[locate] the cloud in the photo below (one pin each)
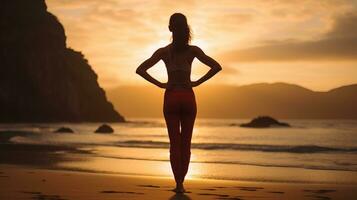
(345, 26)
(117, 35)
(340, 43)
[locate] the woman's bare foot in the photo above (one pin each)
(179, 188)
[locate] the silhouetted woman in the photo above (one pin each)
(179, 99)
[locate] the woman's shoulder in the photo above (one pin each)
(192, 49)
(195, 49)
(167, 47)
(163, 49)
(163, 52)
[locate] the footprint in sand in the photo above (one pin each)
(220, 187)
(48, 197)
(318, 197)
(119, 192)
(29, 192)
(275, 192)
(320, 191)
(40, 196)
(212, 194)
(3, 176)
(250, 189)
(317, 194)
(209, 189)
(149, 186)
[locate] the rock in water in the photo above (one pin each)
(264, 122)
(41, 79)
(105, 128)
(64, 130)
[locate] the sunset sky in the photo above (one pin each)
(306, 42)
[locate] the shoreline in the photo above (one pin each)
(81, 159)
(109, 173)
(21, 182)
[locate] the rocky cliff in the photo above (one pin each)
(41, 79)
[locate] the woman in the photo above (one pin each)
(179, 99)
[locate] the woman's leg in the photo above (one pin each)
(171, 113)
(187, 118)
(173, 127)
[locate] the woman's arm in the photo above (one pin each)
(147, 64)
(215, 67)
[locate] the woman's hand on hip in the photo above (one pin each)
(162, 85)
(195, 83)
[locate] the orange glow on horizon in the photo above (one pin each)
(247, 38)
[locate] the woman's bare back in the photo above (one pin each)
(178, 66)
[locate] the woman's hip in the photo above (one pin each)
(179, 101)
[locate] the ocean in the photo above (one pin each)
(311, 151)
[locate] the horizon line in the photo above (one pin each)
(238, 85)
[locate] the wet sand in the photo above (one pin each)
(20, 182)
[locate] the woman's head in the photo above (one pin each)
(181, 34)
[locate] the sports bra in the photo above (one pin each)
(185, 66)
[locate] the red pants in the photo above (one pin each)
(180, 113)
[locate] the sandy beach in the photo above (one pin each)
(18, 182)
(219, 100)
(37, 163)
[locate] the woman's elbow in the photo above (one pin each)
(139, 71)
(218, 68)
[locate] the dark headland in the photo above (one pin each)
(41, 79)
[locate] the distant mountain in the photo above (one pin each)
(41, 80)
(280, 100)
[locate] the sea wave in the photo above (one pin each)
(240, 147)
(336, 166)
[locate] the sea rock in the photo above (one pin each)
(105, 128)
(64, 130)
(264, 122)
(41, 79)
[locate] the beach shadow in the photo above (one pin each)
(119, 192)
(208, 189)
(216, 195)
(250, 189)
(41, 196)
(318, 197)
(149, 186)
(180, 197)
(275, 192)
(318, 194)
